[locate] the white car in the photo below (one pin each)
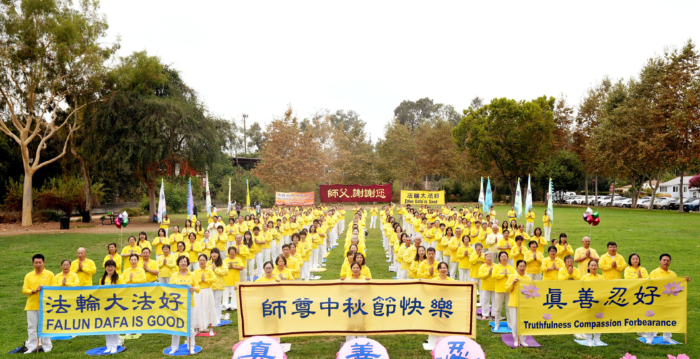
(643, 203)
(604, 201)
(622, 202)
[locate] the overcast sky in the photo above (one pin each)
(256, 57)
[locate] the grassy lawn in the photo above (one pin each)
(647, 233)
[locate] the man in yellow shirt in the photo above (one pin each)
(33, 282)
(612, 263)
(662, 272)
(584, 255)
(530, 219)
(373, 213)
(83, 267)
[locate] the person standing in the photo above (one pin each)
(530, 220)
(111, 277)
(373, 215)
(585, 254)
(663, 272)
(612, 263)
(83, 267)
(511, 288)
(547, 224)
(185, 277)
(166, 265)
(66, 278)
(33, 282)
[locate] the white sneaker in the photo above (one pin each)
(227, 316)
(667, 339)
(650, 340)
(589, 342)
(192, 350)
(173, 350)
(211, 332)
(598, 342)
(522, 343)
(113, 350)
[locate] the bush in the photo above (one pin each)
(67, 194)
(14, 197)
(46, 216)
(10, 217)
(133, 212)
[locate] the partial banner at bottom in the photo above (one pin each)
(603, 306)
(375, 307)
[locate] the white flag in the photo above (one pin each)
(161, 202)
(208, 197)
(528, 197)
(481, 194)
(518, 201)
(229, 198)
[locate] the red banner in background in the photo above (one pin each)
(356, 193)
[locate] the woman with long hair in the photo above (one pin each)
(111, 277)
(216, 264)
(113, 256)
(250, 259)
(159, 242)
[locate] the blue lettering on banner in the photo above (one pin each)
(91, 304)
(554, 298)
(441, 307)
(616, 297)
(59, 304)
(411, 306)
(303, 307)
(353, 308)
(362, 351)
(274, 308)
(585, 298)
(641, 296)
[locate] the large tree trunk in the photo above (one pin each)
(512, 185)
(27, 199)
(88, 185)
(152, 199)
(612, 198)
(596, 189)
(654, 189)
(680, 194)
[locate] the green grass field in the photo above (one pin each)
(644, 232)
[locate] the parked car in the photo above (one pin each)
(604, 201)
(677, 203)
(622, 202)
(643, 203)
(692, 206)
(664, 203)
(574, 200)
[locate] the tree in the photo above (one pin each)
(680, 106)
(255, 136)
(412, 114)
(436, 151)
(590, 112)
(564, 119)
(151, 121)
(51, 52)
(694, 181)
(397, 155)
(564, 168)
(288, 158)
(476, 103)
(508, 137)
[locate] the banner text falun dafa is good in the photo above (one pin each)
(423, 197)
(604, 306)
(375, 307)
(115, 309)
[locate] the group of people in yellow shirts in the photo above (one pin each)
(210, 261)
(450, 244)
(288, 243)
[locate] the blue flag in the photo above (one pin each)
(518, 201)
(488, 201)
(190, 200)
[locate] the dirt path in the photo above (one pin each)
(136, 224)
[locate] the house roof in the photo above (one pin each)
(677, 181)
